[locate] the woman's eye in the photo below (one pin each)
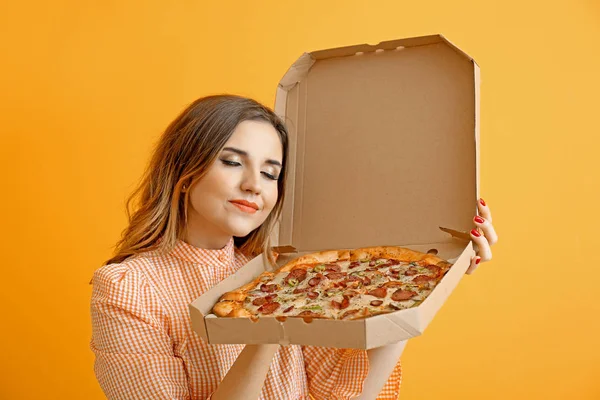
(270, 176)
(231, 163)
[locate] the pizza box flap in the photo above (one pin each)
(383, 144)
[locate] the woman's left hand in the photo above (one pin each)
(484, 237)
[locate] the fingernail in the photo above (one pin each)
(478, 219)
(482, 202)
(475, 232)
(477, 260)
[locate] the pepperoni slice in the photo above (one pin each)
(379, 292)
(411, 271)
(400, 295)
(332, 268)
(423, 278)
(314, 281)
(434, 269)
(312, 295)
(268, 288)
(352, 278)
(350, 293)
(290, 308)
(259, 301)
(320, 276)
(394, 262)
(348, 313)
(394, 274)
(345, 302)
(301, 290)
(372, 263)
(299, 274)
(309, 313)
(270, 297)
(376, 303)
(353, 264)
(384, 265)
(340, 306)
(366, 280)
(268, 308)
(371, 269)
(336, 275)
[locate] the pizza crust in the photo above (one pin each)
(324, 257)
(398, 253)
(223, 308)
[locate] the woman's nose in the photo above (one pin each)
(251, 182)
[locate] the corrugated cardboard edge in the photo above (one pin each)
(398, 44)
(477, 78)
(294, 74)
(304, 63)
(198, 324)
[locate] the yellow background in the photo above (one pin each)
(87, 88)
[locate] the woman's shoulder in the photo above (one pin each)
(127, 276)
(142, 266)
(139, 263)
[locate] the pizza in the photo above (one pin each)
(338, 284)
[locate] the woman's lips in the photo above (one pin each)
(245, 206)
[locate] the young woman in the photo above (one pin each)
(205, 206)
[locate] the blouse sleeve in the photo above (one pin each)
(340, 374)
(134, 354)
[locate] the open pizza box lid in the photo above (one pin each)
(383, 151)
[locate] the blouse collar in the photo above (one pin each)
(187, 252)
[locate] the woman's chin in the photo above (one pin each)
(239, 231)
(240, 227)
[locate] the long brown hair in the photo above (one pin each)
(157, 209)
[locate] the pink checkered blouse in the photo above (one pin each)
(145, 347)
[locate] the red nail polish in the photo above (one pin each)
(475, 232)
(477, 261)
(478, 219)
(482, 202)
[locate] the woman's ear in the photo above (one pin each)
(185, 187)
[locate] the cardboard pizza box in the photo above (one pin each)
(383, 151)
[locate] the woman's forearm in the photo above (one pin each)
(246, 377)
(382, 361)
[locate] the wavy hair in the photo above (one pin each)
(157, 208)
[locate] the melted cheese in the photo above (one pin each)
(323, 303)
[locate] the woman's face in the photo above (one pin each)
(239, 189)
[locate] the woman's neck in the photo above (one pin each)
(208, 242)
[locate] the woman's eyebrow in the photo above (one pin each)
(245, 153)
(273, 162)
